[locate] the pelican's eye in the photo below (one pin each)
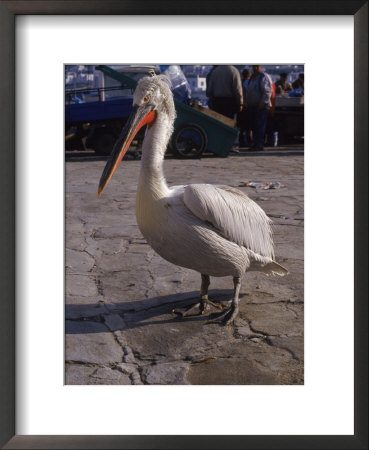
(147, 98)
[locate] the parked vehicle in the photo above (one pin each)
(94, 116)
(100, 114)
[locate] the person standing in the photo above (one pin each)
(258, 100)
(243, 121)
(246, 75)
(299, 82)
(207, 85)
(282, 85)
(225, 90)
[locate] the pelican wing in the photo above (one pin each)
(233, 214)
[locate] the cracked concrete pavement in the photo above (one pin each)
(120, 328)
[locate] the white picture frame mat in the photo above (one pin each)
(324, 405)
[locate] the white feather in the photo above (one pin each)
(233, 214)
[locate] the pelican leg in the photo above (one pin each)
(205, 302)
(203, 306)
(231, 313)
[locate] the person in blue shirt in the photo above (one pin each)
(258, 101)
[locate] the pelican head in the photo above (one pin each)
(152, 100)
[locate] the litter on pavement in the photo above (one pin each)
(255, 185)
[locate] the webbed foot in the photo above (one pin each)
(226, 317)
(198, 309)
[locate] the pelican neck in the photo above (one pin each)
(153, 149)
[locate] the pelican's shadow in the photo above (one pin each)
(92, 317)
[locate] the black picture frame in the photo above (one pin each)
(8, 12)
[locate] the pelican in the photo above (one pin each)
(215, 230)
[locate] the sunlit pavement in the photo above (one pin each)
(120, 328)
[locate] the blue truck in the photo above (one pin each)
(95, 115)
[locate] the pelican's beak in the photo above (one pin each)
(140, 116)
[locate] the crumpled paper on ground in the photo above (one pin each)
(268, 185)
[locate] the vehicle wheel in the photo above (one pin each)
(188, 141)
(103, 143)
